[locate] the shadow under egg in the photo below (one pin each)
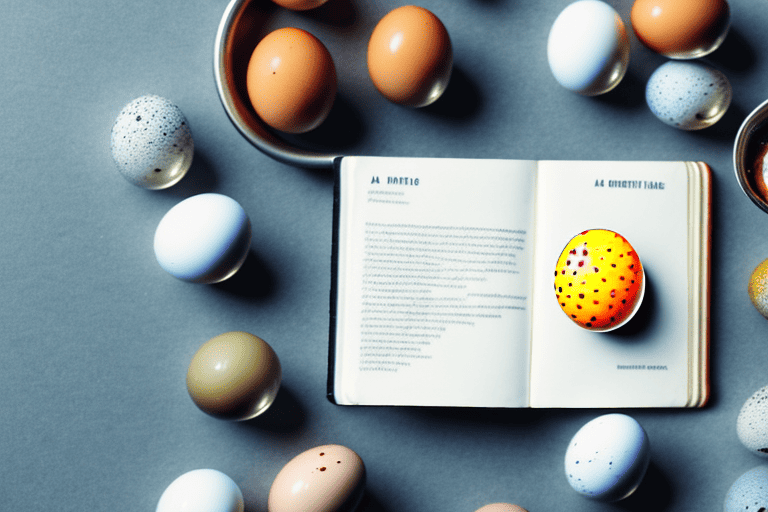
(642, 319)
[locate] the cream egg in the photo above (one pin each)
(328, 478)
(151, 143)
(203, 239)
(749, 492)
(410, 57)
(757, 288)
(202, 490)
(588, 48)
(681, 29)
(688, 95)
(234, 376)
(752, 423)
(607, 458)
(291, 80)
(501, 507)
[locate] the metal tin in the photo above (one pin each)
(756, 121)
(235, 41)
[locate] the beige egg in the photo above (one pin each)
(501, 507)
(328, 478)
(234, 376)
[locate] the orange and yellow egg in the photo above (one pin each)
(599, 279)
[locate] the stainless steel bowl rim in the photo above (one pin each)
(263, 138)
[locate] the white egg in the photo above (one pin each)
(202, 490)
(752, 423)
(688, 95)
(607, 458)
(588, 48)
(151, 143)
(204, 239)
(749, 492)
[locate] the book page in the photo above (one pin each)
(434, 282)
(646, 362)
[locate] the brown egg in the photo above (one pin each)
(291, 80)
(234, 376)
(410, 56)
(329, 478)
(299, 5)
(681, 29)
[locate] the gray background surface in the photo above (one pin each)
(95, 338)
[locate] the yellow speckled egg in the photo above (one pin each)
(599, 280)
(758, 288)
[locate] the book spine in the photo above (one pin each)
(330, 391)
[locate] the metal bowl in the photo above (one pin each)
(752, 133)
(239, 32)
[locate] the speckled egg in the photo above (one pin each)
(328, 478)
(752, 423)
(749, 493)
(151, 143)
(758, 288)
(599, 280)
(607, 458)
(688, 95)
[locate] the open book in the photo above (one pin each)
(443, 295)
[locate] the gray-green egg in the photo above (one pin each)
(151, 143)
(752, 423)
(688, 95)
(749, 493)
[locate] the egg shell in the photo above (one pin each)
(599, 280)
(607, 458)
(752, 423)
(202, 490)
(588, 48)
(681, 29)
(501, 507)
(291, 80)
(328, 478)
(151, 143)
(410, 56)
(234, 376)
(758, 288)
(299, 5)
(688, 95)
(749, 493)
(203, 239)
